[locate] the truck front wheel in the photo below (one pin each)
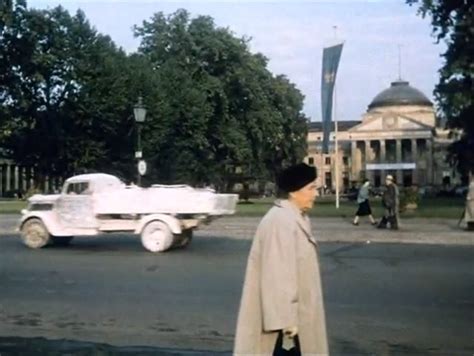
(157, 236)
(34, 234)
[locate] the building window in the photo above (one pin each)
(328, 160)
(311, 161)
(345, 160)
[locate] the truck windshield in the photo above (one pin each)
(78, 188)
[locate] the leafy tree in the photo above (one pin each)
(453, 23)
(11, 46)
(216, 115)
(41, 85)
(289, 141)
(219, 112)
(67, 103)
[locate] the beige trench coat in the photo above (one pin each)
(282, 286)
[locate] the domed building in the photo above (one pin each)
(397, 135)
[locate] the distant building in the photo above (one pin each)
(15, 180)
(398, 135)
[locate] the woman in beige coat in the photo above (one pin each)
(282, 296)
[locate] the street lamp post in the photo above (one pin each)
(139, 112)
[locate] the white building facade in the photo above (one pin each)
(398, 135)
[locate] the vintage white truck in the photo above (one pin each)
(90, 204)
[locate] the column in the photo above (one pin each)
(16, 178)
(414, 158)
(23, 179)
(353, 160)
(368, 174)
(399, 160)
(321, 172)
(31, 179)
(8, 178)
(46, 184)
(429, 161)
(383, 159)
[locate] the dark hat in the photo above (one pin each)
(296, 177)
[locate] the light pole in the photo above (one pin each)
(139, 112)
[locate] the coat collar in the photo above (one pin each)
(301, 218)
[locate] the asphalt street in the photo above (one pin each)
(108, 294)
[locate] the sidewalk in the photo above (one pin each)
(413, 230)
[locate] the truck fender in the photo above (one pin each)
(49, 221)
(169, 220)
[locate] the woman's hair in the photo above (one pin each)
(365, 180)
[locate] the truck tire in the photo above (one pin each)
(61, 240)
(34, 234)
(157, 236)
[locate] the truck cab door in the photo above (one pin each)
(75, 206)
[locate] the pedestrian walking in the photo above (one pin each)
(391, 204)
(364, 205)
(281, 309)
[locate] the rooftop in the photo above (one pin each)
(317, 126)
(400, 93)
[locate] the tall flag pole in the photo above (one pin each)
(336, 148)
(331, 57)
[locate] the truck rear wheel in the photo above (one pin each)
(157, 236)
(34, 234)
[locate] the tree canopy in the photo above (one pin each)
(65, 93)
(221, 108)
(216, 114)
(453, 23)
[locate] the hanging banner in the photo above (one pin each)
(331, 57)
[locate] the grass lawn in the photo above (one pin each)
(12, 206)
(447, 208)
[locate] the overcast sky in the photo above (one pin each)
(292, 34)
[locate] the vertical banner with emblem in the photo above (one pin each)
(331, 57)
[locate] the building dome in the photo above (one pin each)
(400, 93)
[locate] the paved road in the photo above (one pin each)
(340, 229)
(384, 299)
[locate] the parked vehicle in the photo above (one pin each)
(91, 204)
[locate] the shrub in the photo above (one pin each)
(409, 197)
